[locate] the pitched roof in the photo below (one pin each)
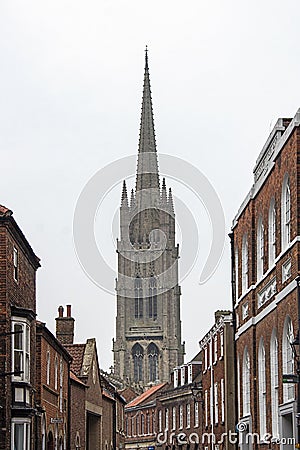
(138, 400)
(128, 393)
(77, 353)
(7, 215)
(5, 211)
(75, 378)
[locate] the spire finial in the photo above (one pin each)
(170, 201)
(146, 57)
(164, 192)
(124, 199)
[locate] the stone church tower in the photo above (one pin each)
(148, 327)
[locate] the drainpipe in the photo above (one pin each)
(298, 367)
(69, 407)
(233, 297)
(115, 423)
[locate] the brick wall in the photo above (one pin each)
(267, 302)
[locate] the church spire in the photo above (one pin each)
(147, 168)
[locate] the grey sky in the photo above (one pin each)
(71, 76)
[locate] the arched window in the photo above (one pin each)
(274, 383)
(245, 263)
(260, 248)
(138, 355)
(77, 441)
(272, 233)
(44, 433)
(287, 359)
(138, 293)
(50, 441)
(238, 387)
(56, 372)
(246, 383)
(48, 367)
(166, 419)
(153, 362)
(262, 387)
(285, 213)
(152, 299)
(236, 262)
(142, 424)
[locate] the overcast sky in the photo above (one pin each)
(71, 76)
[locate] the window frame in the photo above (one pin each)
(25, 360)
(27, 432)
(272, 233)
(16, 264)
(245, 263)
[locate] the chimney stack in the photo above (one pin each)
(65, 326)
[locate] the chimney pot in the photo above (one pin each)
(61, 311)
(69, 307)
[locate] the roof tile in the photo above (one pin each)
(138, 400)
(77, 353)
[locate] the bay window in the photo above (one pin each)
(21, 350)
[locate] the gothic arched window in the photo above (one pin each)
(152, 300)
(288, 359)
(245, 263)
(274, 383)
(262, 387)
(138, 355)
(260, 248)
(272, 232)
(285, 213)
(153, 362)
(246, 383)
(138, 294)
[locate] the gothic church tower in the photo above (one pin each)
(148, 327)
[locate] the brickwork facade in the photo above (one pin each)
(179, 410)
(52, 396)
(18, 265)
(265, 249)
(218, 383)
(140, 419)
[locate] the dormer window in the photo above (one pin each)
(175, 378)
(183, 376)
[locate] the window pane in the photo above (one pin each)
(18, 336)
(18, 362)
(19, 436)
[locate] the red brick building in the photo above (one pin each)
(18, 265)
(265, 253)
(113, 423)
(179, 410)
(140, 419)
(218, 383)
(86, 423)
(52, 391)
